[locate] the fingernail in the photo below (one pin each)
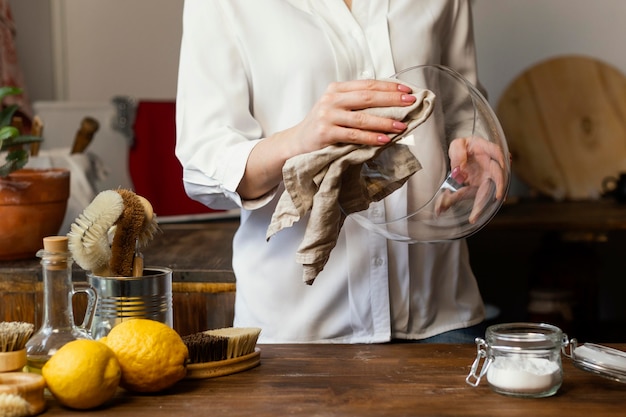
(458, 176)
(407, 98)
(399, 125)
(404, 88)
(383, 139)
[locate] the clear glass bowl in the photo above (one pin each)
(440, 201)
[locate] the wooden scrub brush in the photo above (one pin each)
(89, 236)
(106, 237)
(221, 352)
(13, 338)
(129, 228)
(21, 394)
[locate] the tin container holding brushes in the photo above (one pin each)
(124, 298)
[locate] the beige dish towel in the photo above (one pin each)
(325, 181)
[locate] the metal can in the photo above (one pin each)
(126, 298)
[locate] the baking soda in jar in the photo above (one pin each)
(524, 376)
(520, 359)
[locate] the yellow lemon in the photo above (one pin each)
(152, 355)
(82, 374)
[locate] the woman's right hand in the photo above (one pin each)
(332, 120)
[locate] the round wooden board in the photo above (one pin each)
(565, 123)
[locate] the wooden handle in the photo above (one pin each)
(138, 265)
(88, 127)
(36, 130)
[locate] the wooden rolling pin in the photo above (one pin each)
(88, 127)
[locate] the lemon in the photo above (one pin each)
(82, 374)
(152, 355)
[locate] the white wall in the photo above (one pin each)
(108, 47)
(92, 50)
(119, 47)
(512, 35)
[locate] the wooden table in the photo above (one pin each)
(402, 379)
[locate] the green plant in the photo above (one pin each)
(12, 141)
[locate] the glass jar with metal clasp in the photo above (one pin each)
(520, 359)
(524, 359)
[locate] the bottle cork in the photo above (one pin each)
(55, 244)
(56, 251)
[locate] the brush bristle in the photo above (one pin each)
(89, 234)
(150, 225)
(14, 335)
(241, 340)
(206, 348)
(222, 344)
(129, 227)
(12, 405)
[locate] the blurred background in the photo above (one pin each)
(81, 57)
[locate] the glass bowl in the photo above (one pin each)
(445, 199)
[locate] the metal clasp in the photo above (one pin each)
(474, 376)
(572, 345)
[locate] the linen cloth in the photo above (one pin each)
(328, 183)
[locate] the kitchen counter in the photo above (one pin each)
(403, 379)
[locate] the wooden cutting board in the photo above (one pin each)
(565, 123)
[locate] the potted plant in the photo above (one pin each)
(32, 201)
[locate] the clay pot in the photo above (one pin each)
(32, 206)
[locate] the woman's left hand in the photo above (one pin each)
(479, 166)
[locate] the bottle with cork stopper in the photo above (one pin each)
(58, 325)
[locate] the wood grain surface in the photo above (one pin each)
(363, 380)
(565, 123)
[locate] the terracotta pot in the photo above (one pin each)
(32, 206)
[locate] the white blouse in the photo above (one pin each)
(251, 68)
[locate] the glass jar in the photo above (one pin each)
(520, 359)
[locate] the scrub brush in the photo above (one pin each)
(89, 235)
(21, 394)
(222, 351)
(13, 338)
(128, 229)
(106, 236)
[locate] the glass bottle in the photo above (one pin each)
(58, 326)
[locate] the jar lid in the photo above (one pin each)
(601, 360)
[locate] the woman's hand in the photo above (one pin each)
(478, 166)
(332, 120)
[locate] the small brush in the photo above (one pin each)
(13, 338)
(222, 351)
(89, 236)
(21, 394)
(241, 340)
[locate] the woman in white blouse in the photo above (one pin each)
(262, 81)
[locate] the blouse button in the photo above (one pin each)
(367, 75)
